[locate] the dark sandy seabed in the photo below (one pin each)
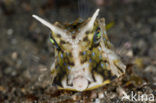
(26, 53)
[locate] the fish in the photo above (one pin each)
(85, 58)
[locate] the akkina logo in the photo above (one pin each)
(138, 97)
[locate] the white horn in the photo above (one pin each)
(88, 26)
(54, 28)
(91, 22)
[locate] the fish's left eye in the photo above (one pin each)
(97, 35)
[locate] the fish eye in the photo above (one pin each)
(53, 41)
(97, 35)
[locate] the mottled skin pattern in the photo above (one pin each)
(85, 63)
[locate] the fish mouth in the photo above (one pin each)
(80, 83)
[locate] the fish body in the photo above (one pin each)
(84, 57)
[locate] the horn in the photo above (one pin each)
(92, 20)
(88, 26)
(52, 27)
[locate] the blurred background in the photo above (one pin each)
(26, 52)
